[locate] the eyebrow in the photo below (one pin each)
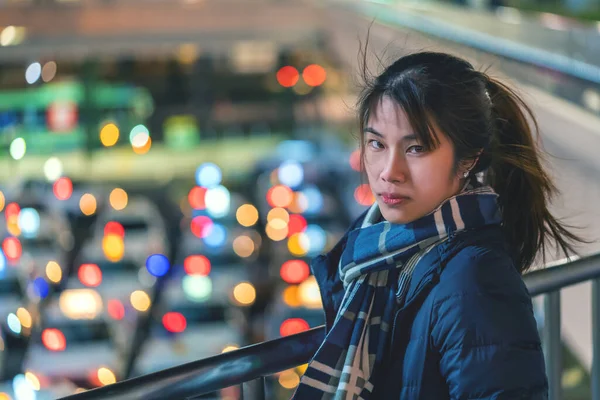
(406, 138)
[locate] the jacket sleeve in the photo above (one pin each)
(484, 330)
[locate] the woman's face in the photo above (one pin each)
(407, 181)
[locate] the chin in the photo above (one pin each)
(395, 216)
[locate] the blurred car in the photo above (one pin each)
(74, 340)
(197, 317)
(140, 223)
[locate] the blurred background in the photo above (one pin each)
(168, 168)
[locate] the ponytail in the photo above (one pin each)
(516, 174)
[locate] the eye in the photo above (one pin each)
(415, 149)
(376, 144)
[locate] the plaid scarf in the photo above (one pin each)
(373, 269)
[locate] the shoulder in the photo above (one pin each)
(479, 263)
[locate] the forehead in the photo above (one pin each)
(388, 115)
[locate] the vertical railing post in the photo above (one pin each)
(254, 390)
(596, 339)
(553, 344)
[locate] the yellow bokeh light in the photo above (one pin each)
(299, 203)
(24, 317)
(5, 396)
(227, 349)
(106, 376)
(247, 215)
(12, 225)
(244, 293)
(53, 271)
(278, 213)
(109, 135)
(276, 234)
(33, 380)
(87, 204)
(309, 294)
(291, 296)
(302, 368)
(299, 244)
(118, 199)
(2, 201)
(140, 300)
(113, 247)
(289, 379)
(143, 149)
(243, 246)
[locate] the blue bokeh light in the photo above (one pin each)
(41, 287)
(317, 239)
(13, 323)
(216, 237)
(314, 199)
(157, 264)
(209, 175)
(22, 388)
(291, 174)
(29, 222)
(2, 262)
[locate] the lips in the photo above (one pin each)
(392, 198)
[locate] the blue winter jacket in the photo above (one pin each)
(466, 330)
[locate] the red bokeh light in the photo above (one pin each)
(174, 322)
(294, 271)
(196, 197)
(12, 209)
(11, 246)
(288, 76)
(196, 265)
(297, 224)
(54, 339)
(280, 196)
(314, 75)
(63, 188)
(114, 228)
(90, 275)
(201, 226)
(292, 326)
(116, 309)
(355, 160)
(363, 195)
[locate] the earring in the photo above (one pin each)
(466, 174)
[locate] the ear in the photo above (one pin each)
(465, 167)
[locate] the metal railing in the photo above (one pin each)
(250, 365)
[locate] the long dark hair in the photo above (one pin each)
(487, 123)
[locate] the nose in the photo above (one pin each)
(395, 169)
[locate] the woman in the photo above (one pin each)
(423, 296)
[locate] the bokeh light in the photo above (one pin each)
(244, 293)
(289, 379)
(11, 246)
(143, 149)
(2, 262)
(29, 222)
(113, 247)
(280, 196)
(53, 272)
(63, 188)
(13, 323)
(49, 71)
(106, 376)
(218, 201)
(317, 239)
(12, 225)
(276, 234)
(294, 271)
(33, 380)
(24, 317)
(157, 264)
(196, 265)
(109, 134)
(41, 287)
(291, 297)
(140, 300)
(197, 288)
(209, 175)
(88, 204)
(314, 75)
(309, 293)
(139, 136)
(33, 73)
(216, 236)
(296, 224)
(278, 218)
(114, 228)
(90, 275)
(247, 215)
(2, 201)
(287, 76)
(116, 309)
(196, 197)
(291, 326)
(299, 244)
(53, 169)
(201, 226)
(363, 195)
(290, 173)
(314, 200)
(243, 246)
(12, 209)
(22, 388)
(18, 148)
(355, 160)
(118, 199)
(174, 322)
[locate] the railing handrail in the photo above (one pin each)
(262, 359)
